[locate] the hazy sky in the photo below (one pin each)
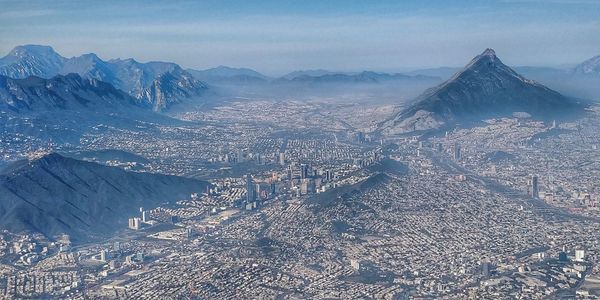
(278, 36)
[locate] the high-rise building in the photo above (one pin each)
(135, 223)
(282, 158)
(355, 264)
(457, 154)
(360, 137)
(174, 219)
(304, 187)
(486, 268)
(257, 190)
(103, 255)
(303, 171)
(250, 192)
(579, 255)
(562, 256)
(145, 216)
(534, 187)
(329, 175)
(312, 187)
(240, 156)
(318, 182)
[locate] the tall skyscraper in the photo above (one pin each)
(250, 192)
(282, 158)
(303, 171)
(304, 186)
(135, 223)
(257, 190)
(329, 175)
(103, 255)
(457, 154)
(535, 190)
(290, 172)
(240, 156)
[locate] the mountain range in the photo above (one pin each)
(323, 77)
(228, 75)
(244, 76)
(55, 195)
(589, 67)
(484, 88)
(63, 92)
(159, 84)
(64, 108)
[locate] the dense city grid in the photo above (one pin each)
(305, 202)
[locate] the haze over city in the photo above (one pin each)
(276, 37)
(300, 149)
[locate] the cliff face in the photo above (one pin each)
(159, 84)
(70, 92)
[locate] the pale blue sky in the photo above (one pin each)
(279, 36)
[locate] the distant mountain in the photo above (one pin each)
(170, 88)
(441, 72)
(589, 67)
(160, 84)
(90, 66)
(55, 195)
(539, 72)
(579, 82)
(362, 77)
(311, 73)
(69, 92)
(224, 74)
(31, 60)
(64, 108)
(484, 88)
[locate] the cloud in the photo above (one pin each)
(33, 13)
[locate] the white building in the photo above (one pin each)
(579, 255)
